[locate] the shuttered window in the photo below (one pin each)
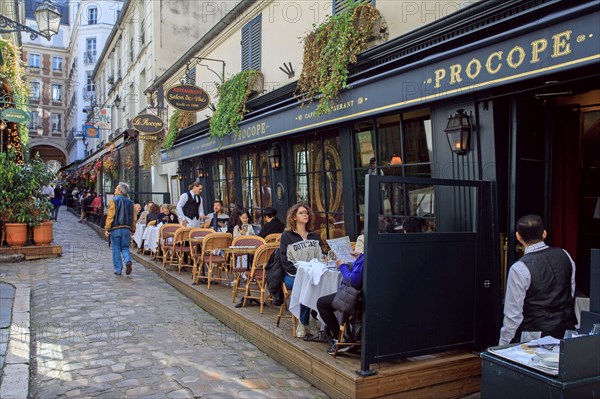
(251, 44)
(340, 5)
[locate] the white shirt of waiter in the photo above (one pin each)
(184, 220)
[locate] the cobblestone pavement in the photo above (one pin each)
(105, 336)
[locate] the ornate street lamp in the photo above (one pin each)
(47, 16)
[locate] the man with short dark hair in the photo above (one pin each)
(120, 223)
(272, 223)
(541, 287)
(217, 220)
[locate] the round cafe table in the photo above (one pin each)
(313, 280)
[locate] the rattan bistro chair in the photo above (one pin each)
(237, 271)
(179, 248)
(287, 294)
(258, 274)
(274, 237)
(196, 248)
(165, 241)
(213, 259)
(342, 341)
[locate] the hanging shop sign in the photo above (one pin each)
(187, 97)
(15, 115)
(90, 131)
(148, 124)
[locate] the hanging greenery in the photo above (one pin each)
(149, 155)
(172, 133)
(15, 88)
(330, 48)
(233, 95)
(179, 120)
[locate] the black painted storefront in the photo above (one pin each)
(508, 74)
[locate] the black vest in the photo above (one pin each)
(548, 306)
(190, 209)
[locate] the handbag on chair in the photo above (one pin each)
(345, 298)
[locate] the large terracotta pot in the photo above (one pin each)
(16, 234)
(43, 234)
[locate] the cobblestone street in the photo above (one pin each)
(95, 334)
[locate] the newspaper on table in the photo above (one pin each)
(341, 248)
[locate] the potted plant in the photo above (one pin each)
(21, 201)
(41, 222)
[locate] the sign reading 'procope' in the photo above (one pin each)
(188, 98)
(147, 123)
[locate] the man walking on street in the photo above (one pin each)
(540, 289)
(120, 223)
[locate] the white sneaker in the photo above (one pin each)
(300, 330)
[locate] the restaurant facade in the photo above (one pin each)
(520, 76)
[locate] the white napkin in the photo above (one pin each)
(515, 353)
(315, 269)
(547, 340)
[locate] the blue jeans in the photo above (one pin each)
(304, 310)
(55, 212)
(120, 239)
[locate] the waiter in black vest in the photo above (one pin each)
(190, 208)
(540, 289)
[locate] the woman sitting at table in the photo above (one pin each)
(350, 273)
(153, 213)
(299, 243)
(243, 226)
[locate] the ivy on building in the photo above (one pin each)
(330, 49)
(233, 95)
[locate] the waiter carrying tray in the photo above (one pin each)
(190, 208)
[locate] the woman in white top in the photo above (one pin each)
(243, 226)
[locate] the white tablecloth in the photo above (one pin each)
(138, 236)
(150, 238)
(313, 280)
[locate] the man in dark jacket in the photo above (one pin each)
(272, 223)
(120, 223)
(540, 288)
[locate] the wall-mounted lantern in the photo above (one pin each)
(275, 157)
(459, 132)
(201, 172)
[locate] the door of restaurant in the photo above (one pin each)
(438, 289)
(555, 169)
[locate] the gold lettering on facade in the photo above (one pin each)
(515, 58)
(521, 57)
(488, 64)
(251, 131)
(469, 71)
(561, 46)
(537, 47)
(336, 107)
(455, 73)
(439, 75)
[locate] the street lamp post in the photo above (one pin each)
(47, 16)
